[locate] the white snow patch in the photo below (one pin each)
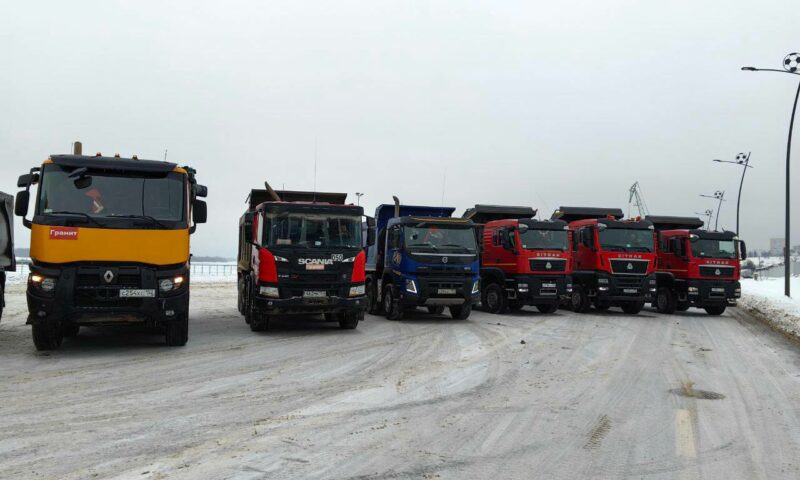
(766, 296)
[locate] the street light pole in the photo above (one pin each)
(358, 197)
(791, 65)
(718, 195)
(744, 160)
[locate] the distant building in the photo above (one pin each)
(776, 247)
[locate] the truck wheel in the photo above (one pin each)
(632, 308)
(391, 305)
(579, 300)
(682, 306)
(70, 330)
(177, 333)
(494, 299)
(715, 310)
(349, 320)
(47, 335)
(373, 299)
(436, 309)
(547, 307)
(460, 312)
(240, 296)
(666, 301)
(2, 300)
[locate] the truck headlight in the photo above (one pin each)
(48, 284)
(169, 284)
(411, 286)
(268, 291)
(41, 282)
(603, 289)
(476, 287)
(652, 281)
(357, 290)
(278, 258)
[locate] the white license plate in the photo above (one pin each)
(630, 290)
(548, 285)
(719, 290)
(314, 266)
(137, 293)
(314, 294)
(447, 291)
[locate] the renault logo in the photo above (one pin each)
(630, 266)
(548, 265)
(444, 259)
(717, 272)
(108, 276)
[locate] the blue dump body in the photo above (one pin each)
(429, 258)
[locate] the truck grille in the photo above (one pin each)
(628, 282)
(629, 267)
(545, 265)
(716, 271)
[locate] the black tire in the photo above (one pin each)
(580, 299)
(715, 310)
(493, 298)
(349, 320)
(547, 307)
(436, 309)
(70, 330)
(240, 295)
(246, 301)
(632, 308)
(665, 301)
(47, 335)
(2, 300)
(682, 306)
(177, 331)
(460, 312)
(374, 306)
(391, 304)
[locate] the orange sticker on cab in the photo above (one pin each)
(63, 233)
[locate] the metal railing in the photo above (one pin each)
(197, 270)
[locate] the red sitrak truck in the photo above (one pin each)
(696, 267)
(613, 260)
(523, 261)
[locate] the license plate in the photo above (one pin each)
(314, 266)
(137, 293)
(314, 294)
(719, 290)
(548, 285)
(630, 290)
(447, 291)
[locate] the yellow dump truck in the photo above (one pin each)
(109, 244)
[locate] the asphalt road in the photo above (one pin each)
(560, 396)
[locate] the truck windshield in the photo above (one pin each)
(436, 238)
(544, 239)
(154, 196)
(312, 230)
(626, 240)
(707, 248)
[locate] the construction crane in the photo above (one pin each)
(636, 198)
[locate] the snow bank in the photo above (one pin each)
(765, 298)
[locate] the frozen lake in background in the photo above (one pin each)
(202, 272)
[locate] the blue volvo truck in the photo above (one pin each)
(421, 257)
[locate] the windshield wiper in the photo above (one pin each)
(640, 249)
(146, 217)
(427, 244)
(614, 248)
(453, 245)
(80, 214)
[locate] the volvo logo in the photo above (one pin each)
(108, 276)
(444, 259)
(630, 266)
(548, 265)
(717, 272)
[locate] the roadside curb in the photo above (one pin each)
(790, 334)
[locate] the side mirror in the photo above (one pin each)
(586, 237)
(370, 236)
(21, 203)
(199, 211)
(24, 180)
(200, 191)
(742, 250)
(247, 225)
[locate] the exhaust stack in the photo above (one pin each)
(271, 192)
(77, 148)
(396, 206)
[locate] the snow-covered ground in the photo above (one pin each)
(766, 298)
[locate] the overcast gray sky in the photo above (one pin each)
(533, 103)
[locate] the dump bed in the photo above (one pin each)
(486, 213)
(385, 212)
(571, 214)
(7, 260)
(664, 222)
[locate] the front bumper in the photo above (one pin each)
(81, 297)
(627, 288)
(707, 293)
(310, 306)
(539, 289)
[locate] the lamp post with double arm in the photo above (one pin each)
(743, 160)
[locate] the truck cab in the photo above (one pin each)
(696, 267)
(109, 245)
(524, 261)
(300, 253)
(7, 258)
(422, 257)
(613, 260)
